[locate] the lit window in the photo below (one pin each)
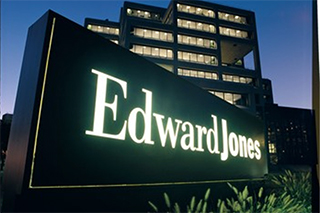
(104, 30)
(142, 14)
(233, 32)
(152, 51)
(236, 79)
(235, 99)
(196, 25)
(167, 67)
(115, 41)
(197, 74)
(197, 58)
(193, 10)
(153, 34)
(272, 148)
(232, 18)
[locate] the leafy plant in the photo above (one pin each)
(291, 193)
(296, 184)
(194, 206)
(250, 204)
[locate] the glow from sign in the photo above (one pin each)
(169, 129)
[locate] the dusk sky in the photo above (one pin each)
(284, 36)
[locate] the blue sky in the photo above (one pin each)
(284, 36)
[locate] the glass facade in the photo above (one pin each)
(233, 32)
(152, 51)
(153, 34)
(195, 10)
(197, 58)
(196, 41)
(197, 74)
(232, 18)
(194, 25)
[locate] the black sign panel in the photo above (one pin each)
(103, 116)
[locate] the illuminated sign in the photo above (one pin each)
(93, 120)
(237, 145)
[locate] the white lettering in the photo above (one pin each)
(100, 105)
(258, 152)
(243, 146)
(189, 137)
(213, 131)
(233, 143)
(132, 120)
(169, 130)
(250, 148)
(201, 129)
(225, 153)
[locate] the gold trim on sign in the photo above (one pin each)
(41, 101)
(143, 184)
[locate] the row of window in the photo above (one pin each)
(211, 28)
(165, 36)
(143, 14)
(167, 53)
(152, 51)
(209, 13)
(196, 25)
(213, 76)
(236, 79)
(195, 10)
(197, 74)
(106, 30)
(232, 18)
(233, 32)
(182, 39)
(197, 58)
(153, 34)
(196, 41)
(232, 98)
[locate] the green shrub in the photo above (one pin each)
(296, 184)
(291, 193)
(194, 206)
(246, 203)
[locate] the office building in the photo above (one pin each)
(210, 45)
(291, 136)
(5, 126)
